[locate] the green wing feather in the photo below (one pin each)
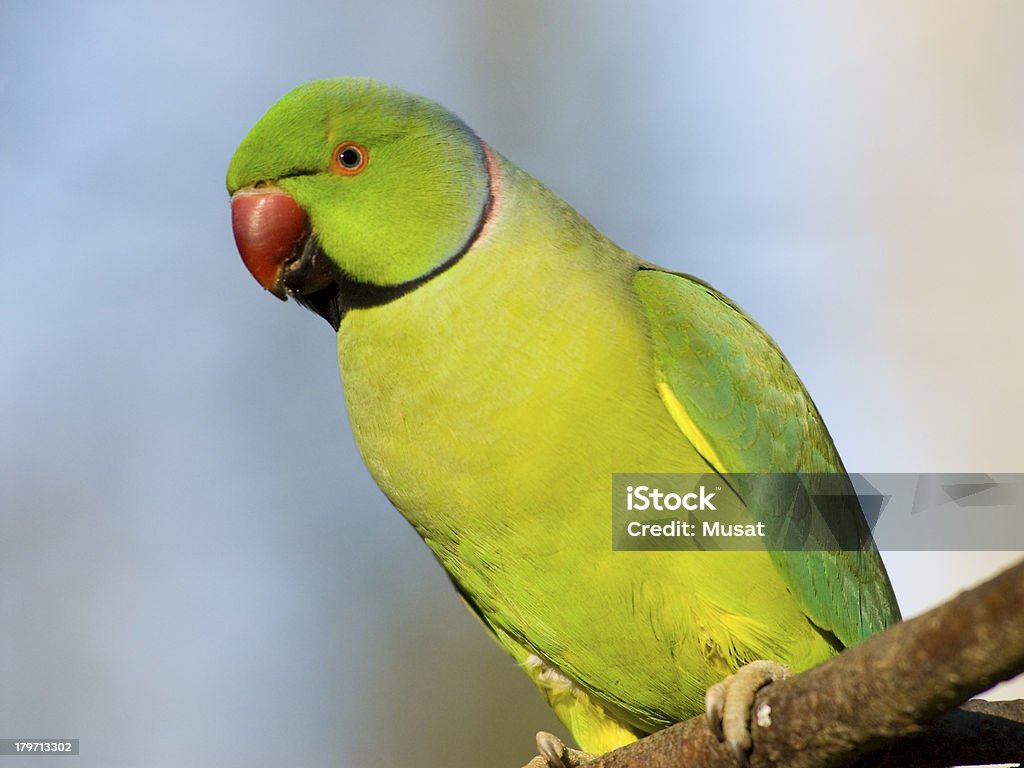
(751, 414)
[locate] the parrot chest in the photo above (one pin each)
(475, 413)
(493, 409)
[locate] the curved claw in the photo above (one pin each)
(728, 704)
(551, 748)
(554, 754)
(714, 703)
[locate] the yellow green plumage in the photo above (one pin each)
(501, 359)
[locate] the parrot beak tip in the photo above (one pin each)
(269, 228)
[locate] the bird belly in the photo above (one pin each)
(495, 429)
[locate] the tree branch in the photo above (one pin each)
(890, 697)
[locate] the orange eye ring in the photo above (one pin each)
(349, 158)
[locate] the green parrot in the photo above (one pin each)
(501, 359)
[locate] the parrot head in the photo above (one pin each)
(350, 192)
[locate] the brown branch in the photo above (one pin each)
(975, 733)
(889, 697)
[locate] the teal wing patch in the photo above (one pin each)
(739, 402)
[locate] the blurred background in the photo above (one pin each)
(195, 567)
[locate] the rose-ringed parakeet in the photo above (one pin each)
(501, 359)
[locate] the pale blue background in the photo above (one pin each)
(195, 568)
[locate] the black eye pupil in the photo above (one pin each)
(350, 157)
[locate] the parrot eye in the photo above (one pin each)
(349, 158)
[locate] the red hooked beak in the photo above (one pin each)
(269, 228)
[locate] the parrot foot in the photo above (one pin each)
(554, 754)
(729, 703)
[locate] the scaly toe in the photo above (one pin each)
(551, 748)
(729, 703)
(714, 704)
(554, 754)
